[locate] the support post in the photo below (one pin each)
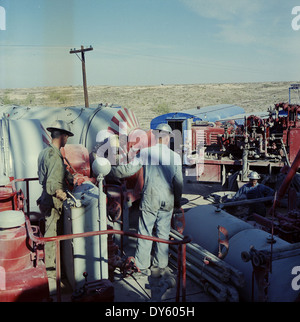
(82, 51)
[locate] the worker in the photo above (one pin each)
(161, 195)
(52, 175)
(254, 190)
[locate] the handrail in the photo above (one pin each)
(181, 256)
(26, 180)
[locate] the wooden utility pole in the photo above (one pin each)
(82, 51)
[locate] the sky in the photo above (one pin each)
(148, 42)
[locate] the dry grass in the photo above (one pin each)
(150, 101)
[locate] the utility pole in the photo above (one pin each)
(82, 51)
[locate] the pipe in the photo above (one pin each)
(57, 239)
(220, 268)
(102, 226)
(199, 262)
(226, 291)
(245, 164)
(286, 182)
(245, 202)
(218, 276)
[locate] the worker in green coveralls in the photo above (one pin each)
(53, 176)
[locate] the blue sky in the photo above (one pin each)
(148, 42)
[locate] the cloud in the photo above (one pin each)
(237, 20)
(245, 22)
(224, 10)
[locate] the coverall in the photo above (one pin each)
(247, 191)
(162, 192)
(52, 175)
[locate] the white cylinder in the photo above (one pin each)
(82, 254)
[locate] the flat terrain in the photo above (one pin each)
(150, 101)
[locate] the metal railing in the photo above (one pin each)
(181, 253)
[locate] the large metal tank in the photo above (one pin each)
(202, 223)
(22, 141)
(85, 122)
(24, 136)
(280, 279)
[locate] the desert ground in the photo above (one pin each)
(150, 101)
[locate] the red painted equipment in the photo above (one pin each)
(22, 270)
(263, 143)
(10, 198)
(286, 226)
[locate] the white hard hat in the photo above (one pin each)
(254, 175)
(60, 125)
(164, 127)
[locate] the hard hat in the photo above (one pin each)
(254, 175)
(164, 127)
(60, 125)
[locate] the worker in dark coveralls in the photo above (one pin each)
(254, 190)
(161, 193)
(52, 175)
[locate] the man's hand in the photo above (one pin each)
(60, 194)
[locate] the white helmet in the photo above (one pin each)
(254, 175)
(164, 127)
(61, 126)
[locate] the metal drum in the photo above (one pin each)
(202, 222)
(85, 122)
(280, 279)
(22, 275)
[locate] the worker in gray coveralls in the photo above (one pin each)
(254, 190)
(161, 193)
(52, 176)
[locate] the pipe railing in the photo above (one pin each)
(181, 255)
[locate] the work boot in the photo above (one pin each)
(142, 273)
(164, 272)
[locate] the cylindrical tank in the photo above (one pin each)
(202, 224)
(85, 122)
(14, 253)
(82, 254)
(21, 279)
(27, 138)
(24, 134)
(280, 279)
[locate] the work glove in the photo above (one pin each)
(60, 194)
